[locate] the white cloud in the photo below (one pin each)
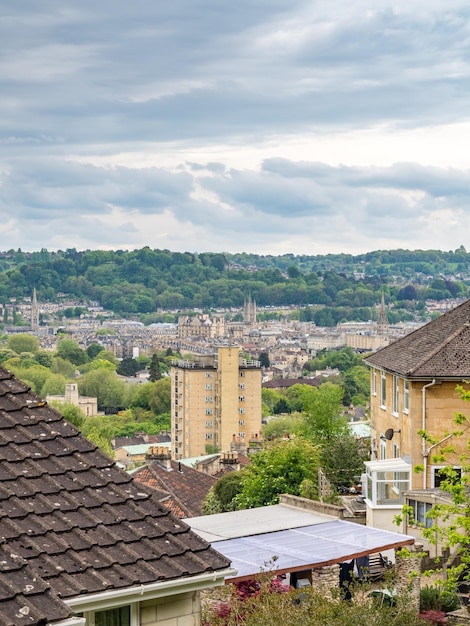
(280, 126)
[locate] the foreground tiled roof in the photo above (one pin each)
(439, 349)
(71, 522)
(185, 487)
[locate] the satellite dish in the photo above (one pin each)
(389, 434)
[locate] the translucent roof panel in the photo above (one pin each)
(306, 547)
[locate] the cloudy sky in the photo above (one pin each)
(267, 126)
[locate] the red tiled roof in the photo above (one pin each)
(439, 349)
(186, 486)
(72, 522)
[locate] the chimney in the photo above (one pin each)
(160, 454)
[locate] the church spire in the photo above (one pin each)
(34, 312)
(382, 321)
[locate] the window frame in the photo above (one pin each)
(374, 382)
(395, 395)
(383, 389)
(406, 396)
(90, 616)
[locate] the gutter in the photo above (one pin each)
(139, 593)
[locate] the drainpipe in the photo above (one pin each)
(425, 451)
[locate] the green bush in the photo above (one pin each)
(433, 598)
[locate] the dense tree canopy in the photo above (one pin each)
(327, 288)
(278, 469)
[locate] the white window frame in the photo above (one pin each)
(209, 423)
(241, 435)
(241, 422)
(208, 386)
(383, 448)
(209, 399)
(209, 436)
(435, 469)
(396, 476)
(395, 395)
(374, 382)
(208, 374)
(134, 614)
(414, 519)
(406, 395)
(242, 386)
(209, 412)
(241, 410)
(241, 398)
(383, 389)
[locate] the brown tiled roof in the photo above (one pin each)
(439, 349)
(185, 487)
(285, 383)
(72, 522)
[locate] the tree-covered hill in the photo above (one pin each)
(142, 281)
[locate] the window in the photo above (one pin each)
(395, 395)
(406, 396)
(208, 398)
(122, 616)
(241, 411)
(419, 513)
(396, 475)
(383, 448)
(241, 398)
(208, 374)
(241, 422)
(241, 435)
(242, 385)
(208, 411)
(209, 424)
(209, 387)
(209, 436)
(242, 373)
(386, 482)
(374, 382)
(451, 474)
(383, 389)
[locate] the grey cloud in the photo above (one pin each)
(44, 188)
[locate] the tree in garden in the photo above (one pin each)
(281, 425)
(44, 357)
(281, 406)
(62, 366)
(105, 385)
(71, 412)
(221, 496)
(342, 460)
(269, 398)
(323, 418)
(128, 367)
(279, 469)
(94, 349)
(54, 385)
(99, 363)
(69, 350)
(264, 359)
(154, 369)
(160, 396)
(356, 385)
(23, 343)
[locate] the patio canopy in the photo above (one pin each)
(254, 541)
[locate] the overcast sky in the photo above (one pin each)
(266, 126)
